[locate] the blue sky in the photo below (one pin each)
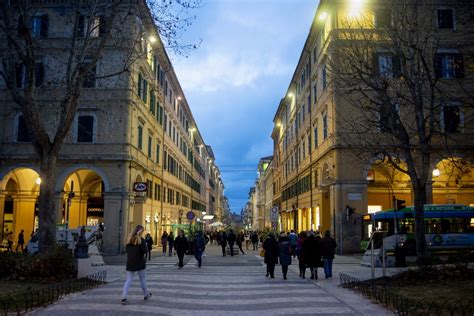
(234, 81)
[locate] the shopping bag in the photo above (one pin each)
(262, 253)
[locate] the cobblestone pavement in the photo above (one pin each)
(222, 286)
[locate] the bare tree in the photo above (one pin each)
(93, 26)
(393, 72)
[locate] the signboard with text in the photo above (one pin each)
(140, 186)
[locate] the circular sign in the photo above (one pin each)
(190, 215)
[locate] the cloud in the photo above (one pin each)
(258, 150)
(224, 70)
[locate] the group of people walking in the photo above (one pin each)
(312, 252)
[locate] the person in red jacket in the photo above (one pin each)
(136, 250)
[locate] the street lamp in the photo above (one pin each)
(156, 228)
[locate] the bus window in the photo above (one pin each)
(434, 226)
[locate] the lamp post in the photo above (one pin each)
(156, 228)
(70, 196)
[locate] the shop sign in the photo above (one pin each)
(140, 186)
(190, 215)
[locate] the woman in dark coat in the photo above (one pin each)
(312, 254)
(170, 243)
(223, 242)
(181, 245)
(149, 244)
(271, 254)
(284, 253)
(136, 250)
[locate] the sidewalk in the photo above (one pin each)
(350, 265)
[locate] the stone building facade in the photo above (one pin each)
(130, 129)
(320, 181)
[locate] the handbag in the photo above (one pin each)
(262, 253)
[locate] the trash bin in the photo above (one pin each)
(400, 257)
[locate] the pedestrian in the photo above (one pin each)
(239, 240)
(312, 254)
(199, 247)
(284, 253)
(223, 241)
(170, 243)
(231, 240)
(328, 249)
(270, 246)
(300, 253)
(136, 250)
(149, 244)
(21, 240)
(254, 239)
(10, 241)
(164, 242)
(293, 239)
(247, 240)
(181, 246)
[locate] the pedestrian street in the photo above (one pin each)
(222, 286)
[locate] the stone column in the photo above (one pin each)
(2, 209)
(114, 238)
(24, 214)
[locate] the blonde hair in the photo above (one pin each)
(135, 237)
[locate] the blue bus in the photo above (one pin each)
(447, 228)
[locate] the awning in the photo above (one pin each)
(216, 224)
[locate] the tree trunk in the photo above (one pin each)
(47, 214)
(421, 246)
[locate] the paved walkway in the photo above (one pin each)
(224, 285)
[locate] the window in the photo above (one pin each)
(309, 102)
(451, 118)
(159, 113)
(445, 19)
(85, 129)
(325, 126)
(150, 148)
(324, 77)
(91, 26)
(315, 93)
(383, 18)
(21, 78)
(22, 132)
(316, 136)
(39, 26)
(152, 102)
(140, 137)
(309, 142)
(157, 192)
(90, 75)
(315, 55)
(142, 87)
(387, 65)
(449, 65)
(157, 152)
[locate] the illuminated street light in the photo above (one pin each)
(38, 181)
(436, 172)
(323, 16)
(152, 39)
(290, 94)
(355, 8)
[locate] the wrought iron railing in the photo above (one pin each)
(21, 303)
(407, 306)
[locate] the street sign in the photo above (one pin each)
(140, 186)
(274, 214)
(190, 215)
